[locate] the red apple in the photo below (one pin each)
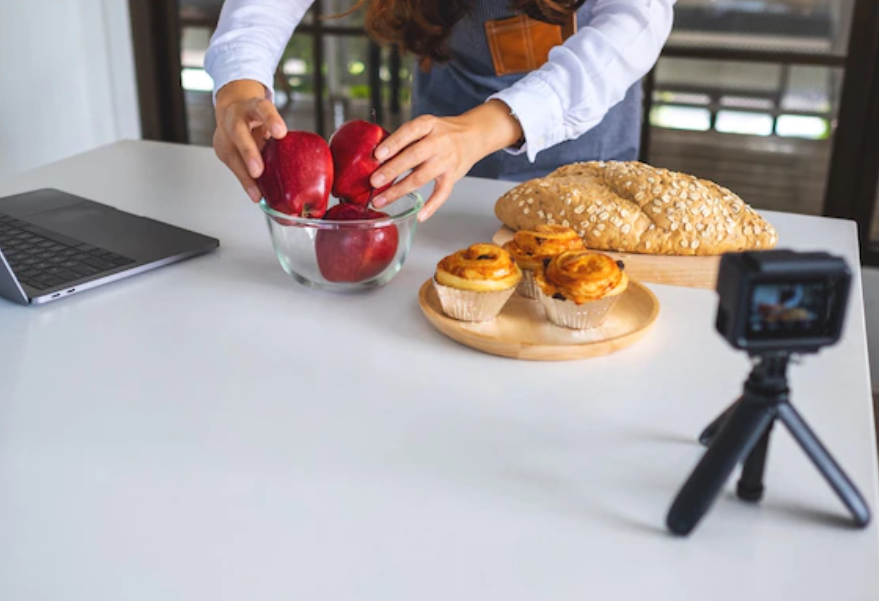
(353, 147)
(355, 254)
(298, 174)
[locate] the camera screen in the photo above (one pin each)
(788, 310)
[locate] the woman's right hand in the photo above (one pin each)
(245, 120)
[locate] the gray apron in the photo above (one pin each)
(469, 78)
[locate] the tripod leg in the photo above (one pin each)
(750, 486)
(838, 480)
(710, 432)
(734, 441)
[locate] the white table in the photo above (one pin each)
(213, 431)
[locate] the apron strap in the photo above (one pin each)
(569, 27)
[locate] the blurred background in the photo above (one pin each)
(776, 99)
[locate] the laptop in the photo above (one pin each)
(54, 244)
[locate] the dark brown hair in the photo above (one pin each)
(423, 27)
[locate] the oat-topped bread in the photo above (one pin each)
(633, 207)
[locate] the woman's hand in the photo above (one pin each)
(443, 149)
(245, 120)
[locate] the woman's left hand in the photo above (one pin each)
(441, 149)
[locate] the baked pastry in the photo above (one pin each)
(474, 284)
(633, 207)
(530, 248)
(579, 288)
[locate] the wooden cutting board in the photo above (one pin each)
(688, 272)
(521, 331)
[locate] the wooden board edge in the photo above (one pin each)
(699, 272)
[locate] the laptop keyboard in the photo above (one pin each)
(42, 262)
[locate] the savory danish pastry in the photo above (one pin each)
(475, 283)
(579, 288)
(530, 248)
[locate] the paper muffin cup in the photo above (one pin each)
(527, 287)
(568, 314)
(468, 305)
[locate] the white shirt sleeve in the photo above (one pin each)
(590, 73)
(250, 39)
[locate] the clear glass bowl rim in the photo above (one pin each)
(289, 220)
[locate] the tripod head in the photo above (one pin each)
(769, 371)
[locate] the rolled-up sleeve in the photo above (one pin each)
(250, 39)
(590, 73)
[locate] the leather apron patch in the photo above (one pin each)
(521, 44)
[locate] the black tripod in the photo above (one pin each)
(742, 433)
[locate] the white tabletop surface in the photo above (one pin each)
(213, 431)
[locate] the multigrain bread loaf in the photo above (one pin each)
(633, 207)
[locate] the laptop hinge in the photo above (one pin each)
(10, 288)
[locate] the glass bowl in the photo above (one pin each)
(344, 255)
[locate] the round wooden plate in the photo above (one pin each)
(522, 332)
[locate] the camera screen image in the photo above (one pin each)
(788, 310)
